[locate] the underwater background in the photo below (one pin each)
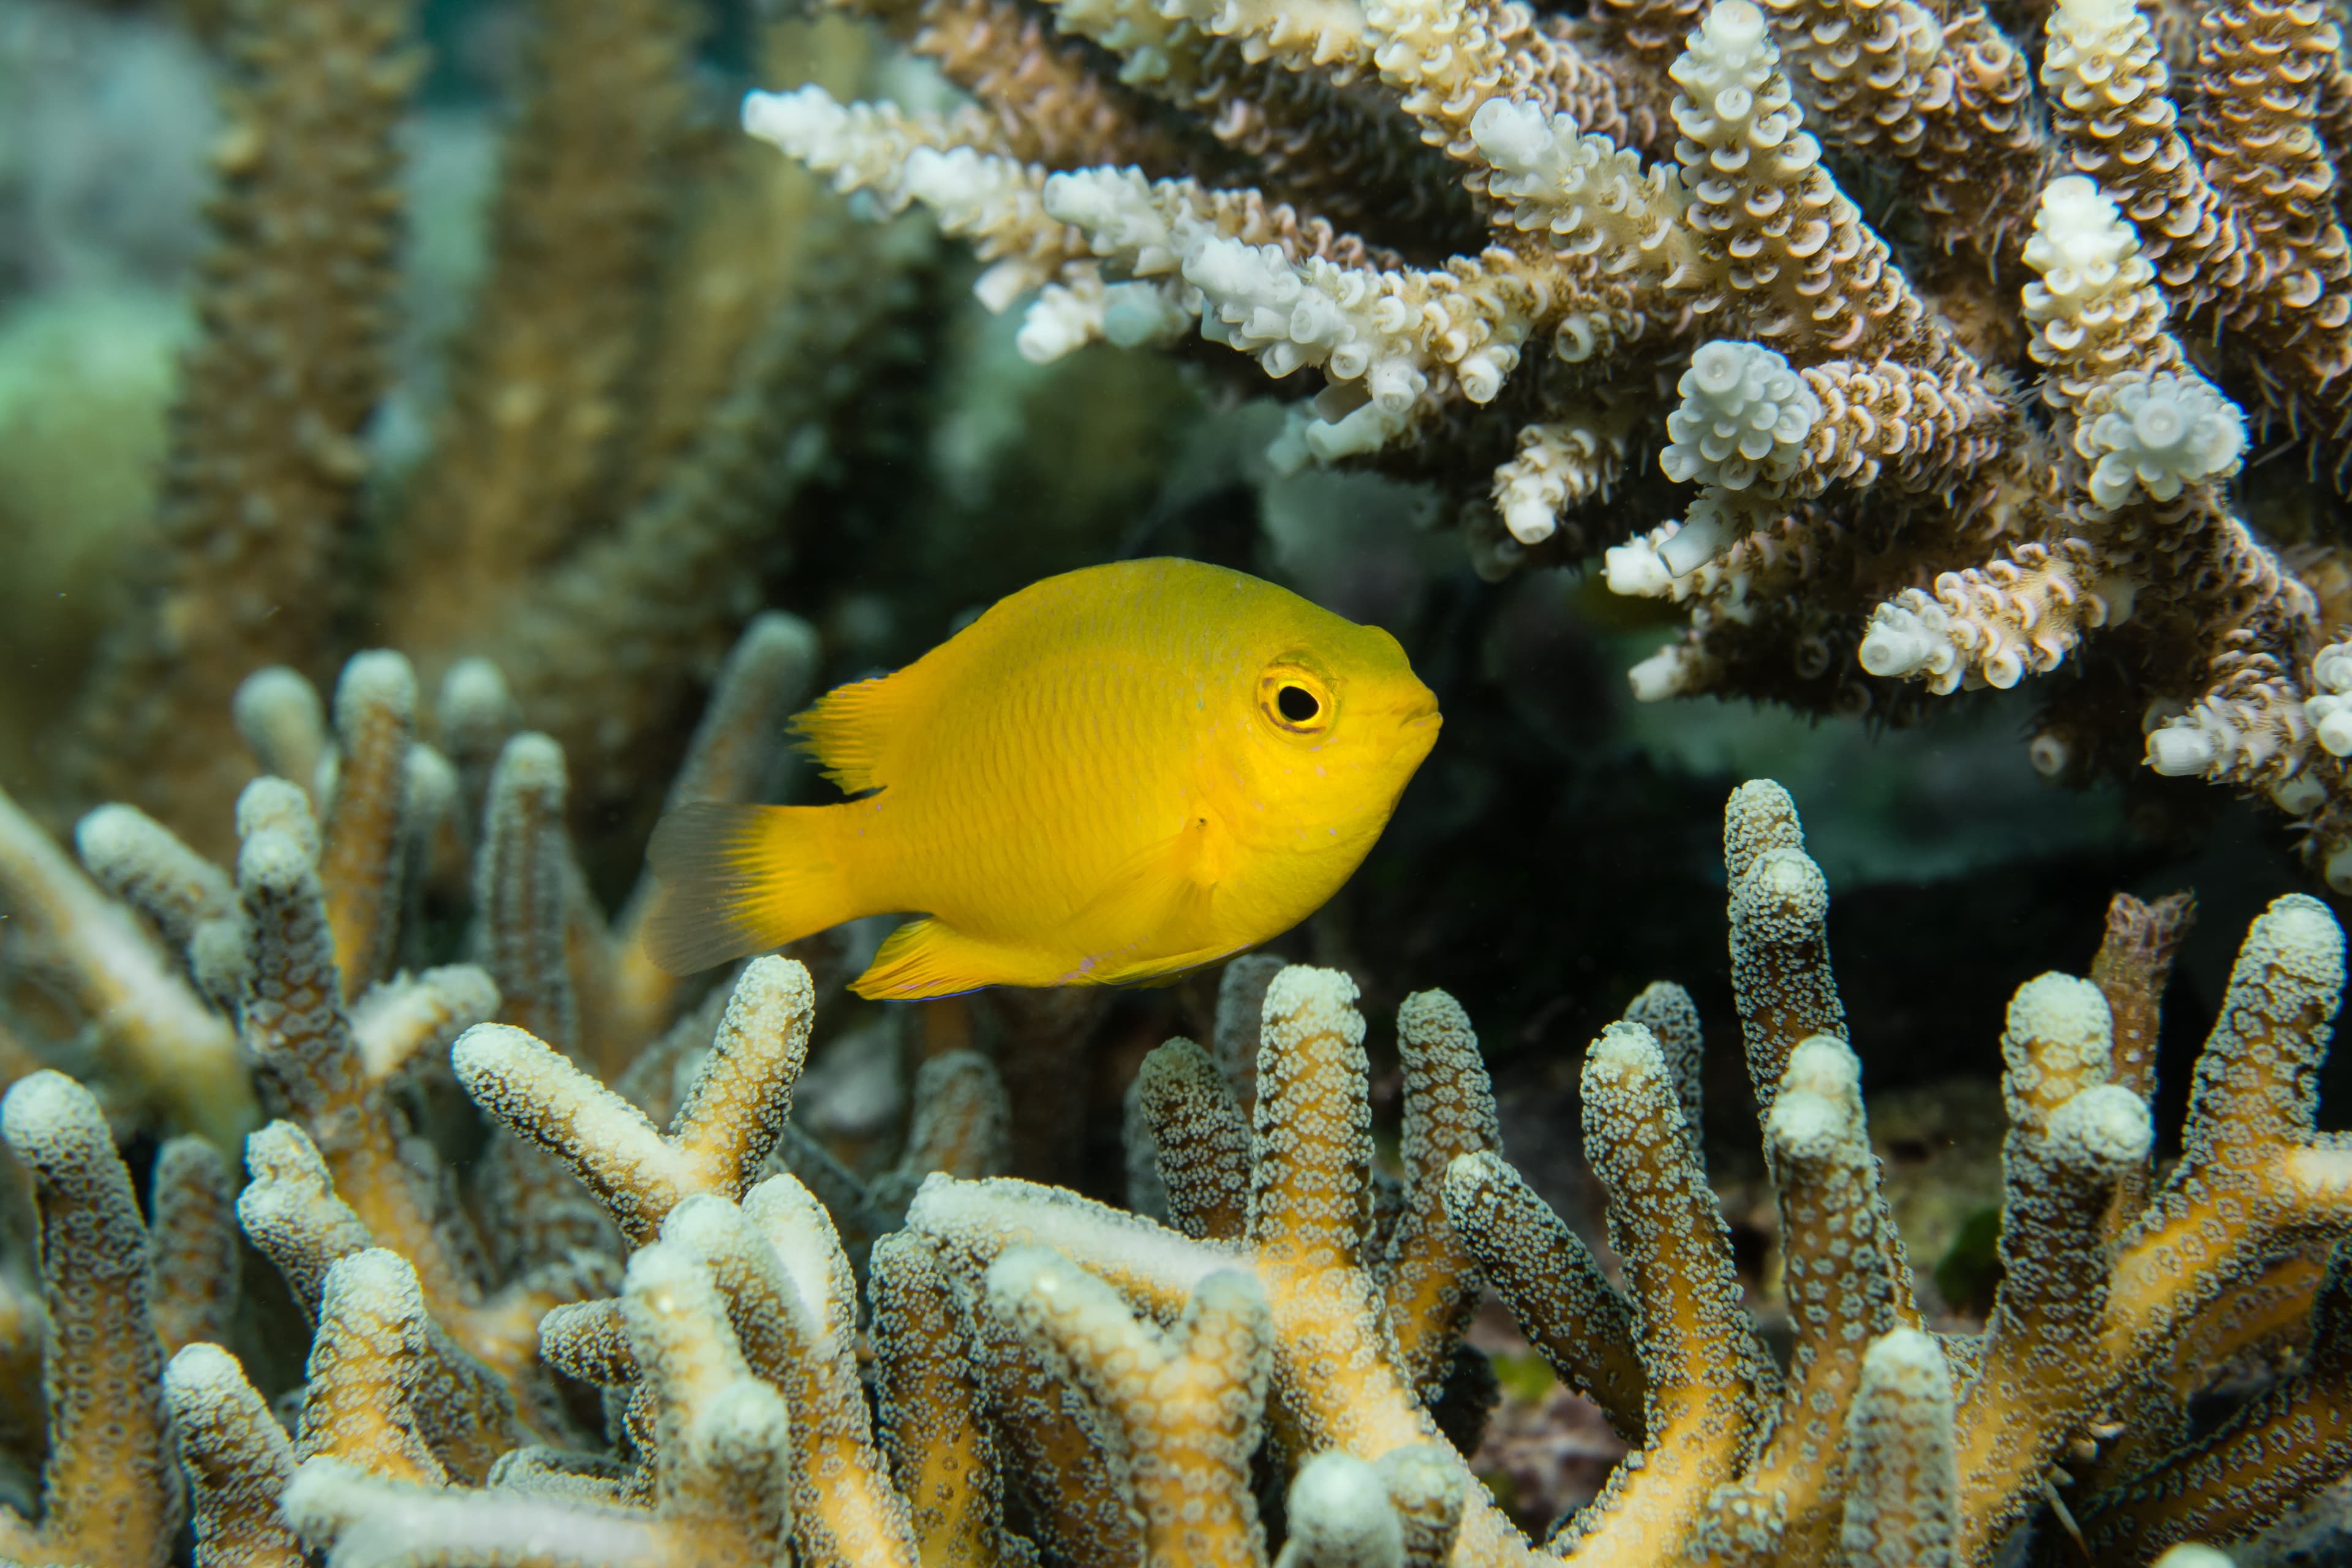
(485, 335)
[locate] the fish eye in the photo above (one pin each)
(1296, 698)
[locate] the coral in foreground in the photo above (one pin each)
(633, 1335)
(1994, 433)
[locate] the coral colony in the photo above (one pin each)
(1990, 453)
(575, 1288)
(1054, 1378)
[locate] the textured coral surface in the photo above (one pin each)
(1966, 324)
(659, 1314)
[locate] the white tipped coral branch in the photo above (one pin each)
(1552, 1285)
(1185, 1402)
(1923, 516)
(361, 842)
(1132, 1389)
(1430, 1279)
(952, 169)
(716, 1491)
(154, 1037)
(718, 1138)
(238, 1460)
(110, 1489)
(943, 1451)
(1902, 1498)
(193, 1234)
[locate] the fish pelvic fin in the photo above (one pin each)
(925, 958)
(740, 879)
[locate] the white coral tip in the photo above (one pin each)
(794, 120)
(1665, 674)
(1899, 643)
(1512, 136)
(2106, 1125)
(1633, 570)
(1698, 541)
(1340, 1515)
(2181, 748)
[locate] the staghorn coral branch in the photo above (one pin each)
(110, 1489)
(1704, 1373)
(1553, 1287)
(2073, 1138)
(1781, 975)
(1429, 1280)
(154, 1035)
(1841, 1298)
(366, 1368)
(942, 1453)
(1186, 1401)
(720, 1137)
(364, 828)
(524, 891)
(1903, 1504)
(193, 1237)
(266, 461)
(238, 1461)
(301, 1037)
(1666, 1010)
(1200, 1139)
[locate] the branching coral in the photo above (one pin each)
(1912, 470)
(632, 407)
(1056, 1379)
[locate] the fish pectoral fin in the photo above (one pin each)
(1160, 897)
(926, 957)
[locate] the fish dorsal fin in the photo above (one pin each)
(849, 728)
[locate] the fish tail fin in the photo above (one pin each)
(738, 879)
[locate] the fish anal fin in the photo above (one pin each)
(848, 730)
(929, 958)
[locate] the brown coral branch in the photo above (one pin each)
(257, 506)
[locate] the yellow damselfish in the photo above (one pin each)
(1112, 775)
